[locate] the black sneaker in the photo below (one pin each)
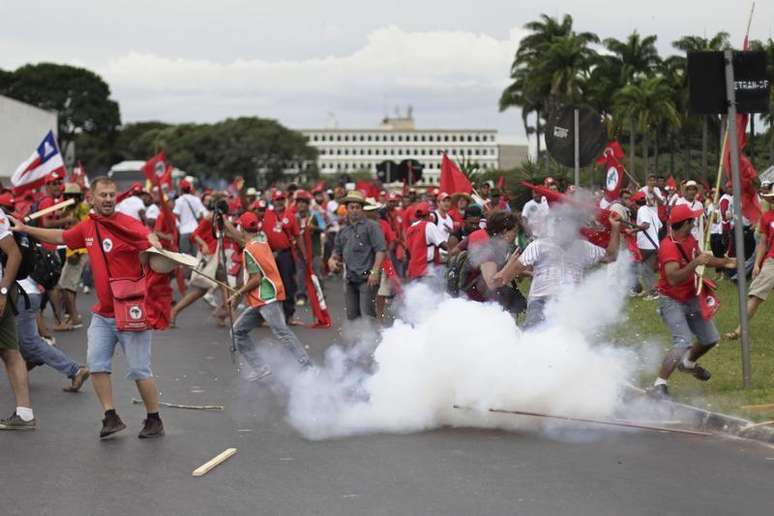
(111, 424)
(659, 392)
(16, 423)
(152, 427)
(696, 371)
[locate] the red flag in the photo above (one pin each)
(368, 188)
(613, 178)
(671, 183)
(166, 178)
(611, 149)
(501, 183)
(79, 177)
(452, 179)
(313, 288)
(155, 168)
(751, 207)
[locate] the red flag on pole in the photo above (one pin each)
(155, 168)
(501, 183)
(452, 179)
(611, 149)
(613, 178)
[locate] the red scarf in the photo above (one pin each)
(313, 290)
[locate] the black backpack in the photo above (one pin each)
(458, 274)
(37, 262)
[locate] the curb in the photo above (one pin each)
(723, 423)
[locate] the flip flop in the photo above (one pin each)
(732, 335)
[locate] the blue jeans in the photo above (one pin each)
(102, 339)
(684, 320)
(32, 347)
(273, 315)
(535, 312)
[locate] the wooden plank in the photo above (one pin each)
(768, 407)
(210, 464)
(756, 425)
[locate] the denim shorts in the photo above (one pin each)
(102, 340)
(684, 321)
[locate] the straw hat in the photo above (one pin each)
(355, 196)
(164, 262)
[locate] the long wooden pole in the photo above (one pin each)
(605, 422)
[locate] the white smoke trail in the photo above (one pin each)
(444, 351)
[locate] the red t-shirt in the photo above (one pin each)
(389, 234)
(767, 230)
(669, 252)
(124, 257)
(280, 228)
(206, 232)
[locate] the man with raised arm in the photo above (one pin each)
(113, 241)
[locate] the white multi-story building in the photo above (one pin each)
(353, 150)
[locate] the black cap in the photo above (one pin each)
(474, 210)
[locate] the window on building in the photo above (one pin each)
(430, 138)
(446, 138)
(400, 138)
(423, 137)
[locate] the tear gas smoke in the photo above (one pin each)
(444, 351)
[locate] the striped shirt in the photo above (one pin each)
(554, 266)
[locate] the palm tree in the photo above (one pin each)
(648, 103)
(719, 41)
(531, 90)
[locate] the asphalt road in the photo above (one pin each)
(63, 469)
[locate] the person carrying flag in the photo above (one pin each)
(679, 305)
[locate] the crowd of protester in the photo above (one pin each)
(262, 254)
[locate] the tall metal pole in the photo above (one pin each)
(576, 121)
(741, 272)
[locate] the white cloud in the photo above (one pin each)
(453, 77)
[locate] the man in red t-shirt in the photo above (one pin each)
(763, 270)
(679, 305)
(283, 233)
(424, 240)
(107, 233)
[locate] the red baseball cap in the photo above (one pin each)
(136, 187)
(443, 196)
(260, 204)
(6, 199)
(682, 212)
(249, 221)
(422, 208)
(303, 195)
(637, 196)
(184, 185)
(279, 194)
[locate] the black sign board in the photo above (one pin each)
(388, 171)
(560, 135)
(707, 82)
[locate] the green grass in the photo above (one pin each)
(724, 392)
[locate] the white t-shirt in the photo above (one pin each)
(534, 214)
(152, 212)
(434, 236)
(656, 192)
(445, 224)
(698, 228)
(189, 209)
(650, 215)
(131, 206)
(30, 286)
(554, 266)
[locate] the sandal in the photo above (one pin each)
(63, 326)
(732, 335)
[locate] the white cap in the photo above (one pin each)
(691, 182)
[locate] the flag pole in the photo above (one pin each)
(705, 244)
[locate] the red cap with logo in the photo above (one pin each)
(682, 212)
(249, 221)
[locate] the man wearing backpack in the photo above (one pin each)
(22, 418)
(122, 238)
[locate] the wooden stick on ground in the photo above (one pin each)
(596, 421)
(755, 425)
(181, 406)
(768, 407)
(218, 459)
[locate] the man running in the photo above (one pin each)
(265, 293)
(107, 233)
(678, 258)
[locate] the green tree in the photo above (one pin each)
(79, 96)
(649, 104)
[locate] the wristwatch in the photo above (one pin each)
(3, 291)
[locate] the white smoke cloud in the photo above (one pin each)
(445, 352)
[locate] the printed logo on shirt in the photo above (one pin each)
(89, 241)
(107, 245)
(135, 312)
